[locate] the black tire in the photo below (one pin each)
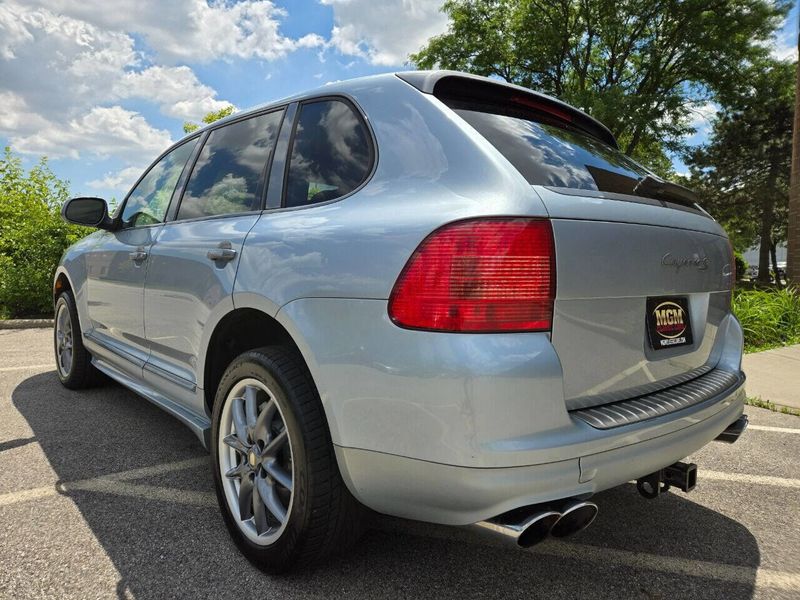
(81, 373)
(323, 518)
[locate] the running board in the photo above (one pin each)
(200, 426)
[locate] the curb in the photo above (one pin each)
(26, 324)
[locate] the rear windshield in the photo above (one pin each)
(553, 155)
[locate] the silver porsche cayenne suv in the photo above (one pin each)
(428, 294)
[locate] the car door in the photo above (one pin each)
(116, 266)
(192, 265)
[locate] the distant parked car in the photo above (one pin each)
(439, 296)
(752, 271)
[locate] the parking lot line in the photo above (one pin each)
(146, 492)
(27, 368)
(747, 478)
(106, 482)
(775, 429)
(764, 578)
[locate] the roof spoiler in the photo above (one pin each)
(439, 82)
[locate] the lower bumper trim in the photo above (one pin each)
(650, 406)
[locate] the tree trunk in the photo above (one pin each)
(766, 239)
(774, 256)
(793, 258)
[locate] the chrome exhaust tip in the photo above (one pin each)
(522, 529)
(733, 431)
(538, 528)
(575, 515)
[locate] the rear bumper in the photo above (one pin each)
(458, 428)
(452, 495)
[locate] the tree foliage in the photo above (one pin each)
(214, 115)
(32, 235)
(638, 66)
(743, 170)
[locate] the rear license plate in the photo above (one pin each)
(668, 324)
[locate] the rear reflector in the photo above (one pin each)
(479, 275)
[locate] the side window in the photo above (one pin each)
(148, 202)
(228, 176)
(331, 153)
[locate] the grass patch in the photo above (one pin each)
(759, 403)
(770, 318)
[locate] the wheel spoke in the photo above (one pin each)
(246, 499)
(279, 474)
(239, 421)
(261, 429)
(237, 471)
(270, 497)
(235, 443)
(276, 444)
(251, 406)
(66, 359)
(259, 510)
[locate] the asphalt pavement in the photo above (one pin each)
(102, 495)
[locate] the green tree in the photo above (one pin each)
(639, 66)
(743, 170)
(32, 235)
(214, 115)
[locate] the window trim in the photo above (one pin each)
(263, 177)
(178, 184)
(371, 141)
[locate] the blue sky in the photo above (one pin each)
(102, 87)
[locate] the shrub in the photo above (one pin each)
(769, 317)
(32, 236)
(741, 265)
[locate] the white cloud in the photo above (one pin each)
(784, 48)
(193, 30)
(701, 119)
(176, 89)
(384, 33)
(61, 81)
(121, 180)
(103, 132)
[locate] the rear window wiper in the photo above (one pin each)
(651, 186)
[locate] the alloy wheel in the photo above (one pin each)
(255, 461)
(64, 350)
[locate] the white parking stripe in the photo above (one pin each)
(147, 492)
(775, 429)
(107, 482)
(738, 574)
(746, 478)
(27, 368)
(742, 574)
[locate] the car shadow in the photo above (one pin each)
(180, 548)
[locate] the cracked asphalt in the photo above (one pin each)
(102, 495)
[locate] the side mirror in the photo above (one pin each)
(92, 212)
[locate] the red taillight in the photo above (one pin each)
(492, 274)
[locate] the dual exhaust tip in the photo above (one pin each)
(526, 527)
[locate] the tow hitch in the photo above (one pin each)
(680, 475)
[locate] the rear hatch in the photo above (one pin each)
(643, 274)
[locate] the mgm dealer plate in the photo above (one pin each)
(668, 324)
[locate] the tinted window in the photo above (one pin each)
(228, 175)
(149, 200)
(331, 153)
(548, 154)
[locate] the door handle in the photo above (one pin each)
(222, 253)
(138, 255)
